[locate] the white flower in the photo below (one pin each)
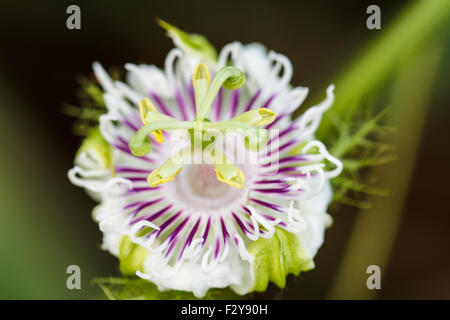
(195, 232)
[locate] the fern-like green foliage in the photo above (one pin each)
(91, 105)
(353, 131)
(138, 289)
(358, 139)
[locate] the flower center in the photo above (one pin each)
(204, 182)
(205, 93)
(196, 188)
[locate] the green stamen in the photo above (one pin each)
(200, 81)
(226, 171)
(140, 144)
(205, 93)
(169, 169)
(256, 139)
(257, 117)
(150, 114)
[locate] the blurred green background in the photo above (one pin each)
(45, 222)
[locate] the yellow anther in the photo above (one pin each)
(200, 81)
(267, 117)
(145, 106)
(155, 178)
(236, 181)
(201, 72)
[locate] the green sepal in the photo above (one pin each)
(190, 42)
(96, 144)
(277, 257)
(131, 257)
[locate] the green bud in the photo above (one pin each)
(193, 43)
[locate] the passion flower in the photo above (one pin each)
(193, 223)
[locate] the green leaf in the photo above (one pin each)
(140, 289)
(190, 42)
(277, 257)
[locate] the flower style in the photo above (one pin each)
(192, 226)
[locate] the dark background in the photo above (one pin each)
(45, 221)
